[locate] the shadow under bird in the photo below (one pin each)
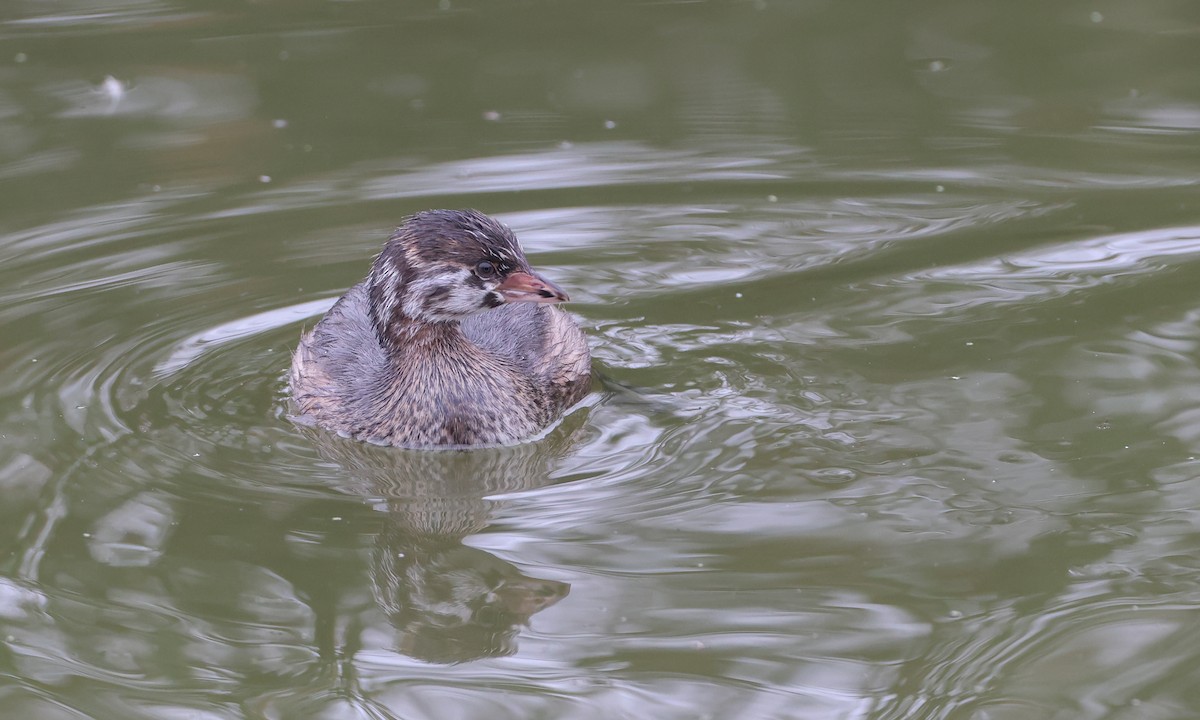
(452, 340)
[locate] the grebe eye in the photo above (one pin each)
(485, 269)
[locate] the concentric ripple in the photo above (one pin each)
(871, 456)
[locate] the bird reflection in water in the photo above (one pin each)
(449, 602)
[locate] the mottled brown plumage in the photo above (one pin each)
(451, 340)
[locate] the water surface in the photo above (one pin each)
(896, 308)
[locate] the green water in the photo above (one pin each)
(897, 305)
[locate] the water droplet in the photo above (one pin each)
(20, 58)
(1097, 17)
(279, 123)
(609, 124)
(264, 178)
(940, 188)
(491, 116)
(772, 198)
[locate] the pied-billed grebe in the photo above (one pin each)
(451, 340)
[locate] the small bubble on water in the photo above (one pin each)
(264, 178)
(33, 360)
(113, 88)
(772, 198)
(737, 295)
(279, 123)
(87, 535)
(1097, 17)
(940, 188)
(937, 65)
(566, 145)
(970, 343)
(157, 188)
(336, 518)
(610, 124)
(956, 377)
(491, 116)
(955, 614)
(20, 58)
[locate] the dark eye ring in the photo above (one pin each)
(486, 269)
